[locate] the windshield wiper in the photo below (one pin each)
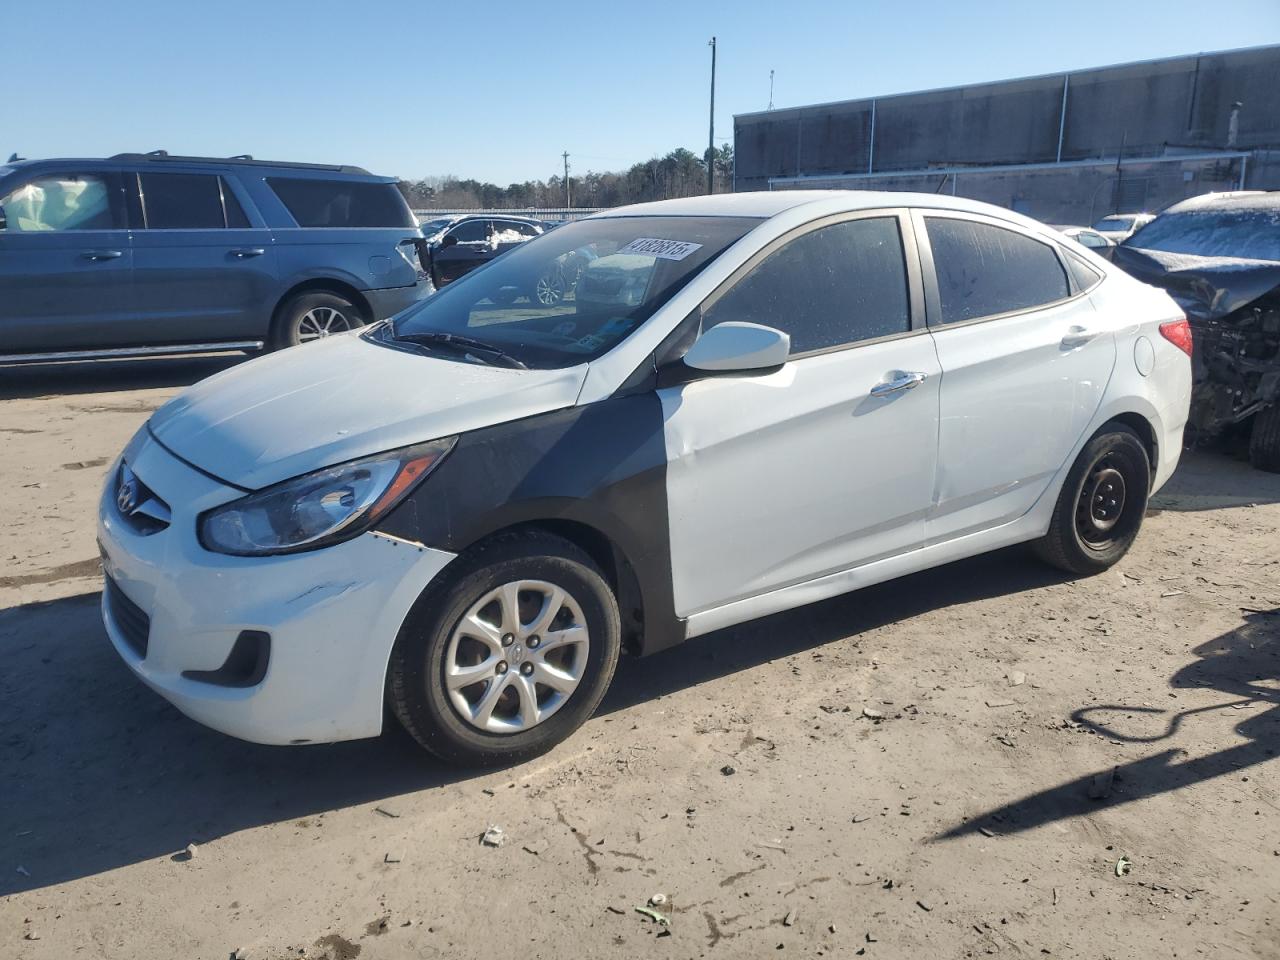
(461, 344)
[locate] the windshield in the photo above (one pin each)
(1251, 234)
(435, 226)
(1114, 223)
(571, 295)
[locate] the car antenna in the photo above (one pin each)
(14, 158)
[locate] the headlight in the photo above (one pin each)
(320, 508)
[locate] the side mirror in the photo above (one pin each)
(734, 346)
(450, 240)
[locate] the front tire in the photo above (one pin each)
(1101, 506)
(1264, 441)
(508, 655)
(312, 316)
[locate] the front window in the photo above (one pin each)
(568, 296)
(57, 202)
(1252, 233)
(1114, 223)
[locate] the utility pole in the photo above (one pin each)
(770, 107)
(566, 179)
(711, 134)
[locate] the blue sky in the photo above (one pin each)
(496, 89)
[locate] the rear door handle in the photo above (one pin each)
(245, 253)
(1078, 336)
(96, 255)
(900, 380)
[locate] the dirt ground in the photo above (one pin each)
(904, 772)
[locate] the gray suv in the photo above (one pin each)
(150, 254)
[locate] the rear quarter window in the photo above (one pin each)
(342, 203)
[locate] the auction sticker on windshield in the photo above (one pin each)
(662, 249)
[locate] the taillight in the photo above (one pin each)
(1178, 332)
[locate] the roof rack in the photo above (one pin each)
(163, 155)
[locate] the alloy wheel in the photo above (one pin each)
(516, 656)
(322, 322)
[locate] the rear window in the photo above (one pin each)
(181, 201)
(1114, 223)
(342, 203)
(984, 270)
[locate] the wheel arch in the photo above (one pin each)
(322, 285)
(1146, 432)
(612, 560)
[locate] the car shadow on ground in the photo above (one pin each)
(1242, 664)
(1212, 480)
(28, 381)
(100, 772)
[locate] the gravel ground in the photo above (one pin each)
(951, 765)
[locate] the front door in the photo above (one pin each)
(202, 271)
(65, 264)
(1025, 361)
(472, 248)
(828, 462)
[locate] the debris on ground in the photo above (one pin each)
(658, 900)
(1017, 678)
(654, 915)
(1001, 703)
(790, 919)
(728, 770)
(618, 910)
(191, 851)
(391, 858)
(861, 817)
(872, 714)
(1100, 785)
(387, 813)
(1123, 866)
(493, 836)
(924, 906)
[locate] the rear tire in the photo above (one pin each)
(312, 316)
(530, 708)
(1264, 442)
(1101, 506)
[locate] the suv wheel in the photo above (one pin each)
(1101, 506)
(510, 655)
(311, 316)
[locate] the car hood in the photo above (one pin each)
(1206, 287)
(341, 398)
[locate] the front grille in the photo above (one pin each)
(137, 504)
(134, 625)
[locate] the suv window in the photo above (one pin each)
(342, 203)
(62, 201)
(470, 231)
(984, 270)
(236, 218)
(514, 226)
(181, 201)
(832, 286)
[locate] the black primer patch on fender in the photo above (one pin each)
(603, 465)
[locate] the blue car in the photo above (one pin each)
(143, 254)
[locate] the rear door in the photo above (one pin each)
(203, 270)
(1025, 361)
(65, 263)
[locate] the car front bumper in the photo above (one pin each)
(332, 614)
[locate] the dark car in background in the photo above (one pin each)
(144, 254)
(457, 245)
(1218, 256)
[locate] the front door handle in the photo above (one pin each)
(1078, 337)
(898, 381)
(245, 253)
(97, 255)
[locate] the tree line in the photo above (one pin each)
(681, 173)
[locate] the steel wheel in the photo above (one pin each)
(321, 322)
(516, 656)
(1101, 503)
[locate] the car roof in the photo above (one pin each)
(770, 203)
(159, 158)
(1244, 201)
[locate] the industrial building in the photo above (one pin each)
(1065, 147)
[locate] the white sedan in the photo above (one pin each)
(748, 403)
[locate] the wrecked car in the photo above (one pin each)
(1219, 257)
